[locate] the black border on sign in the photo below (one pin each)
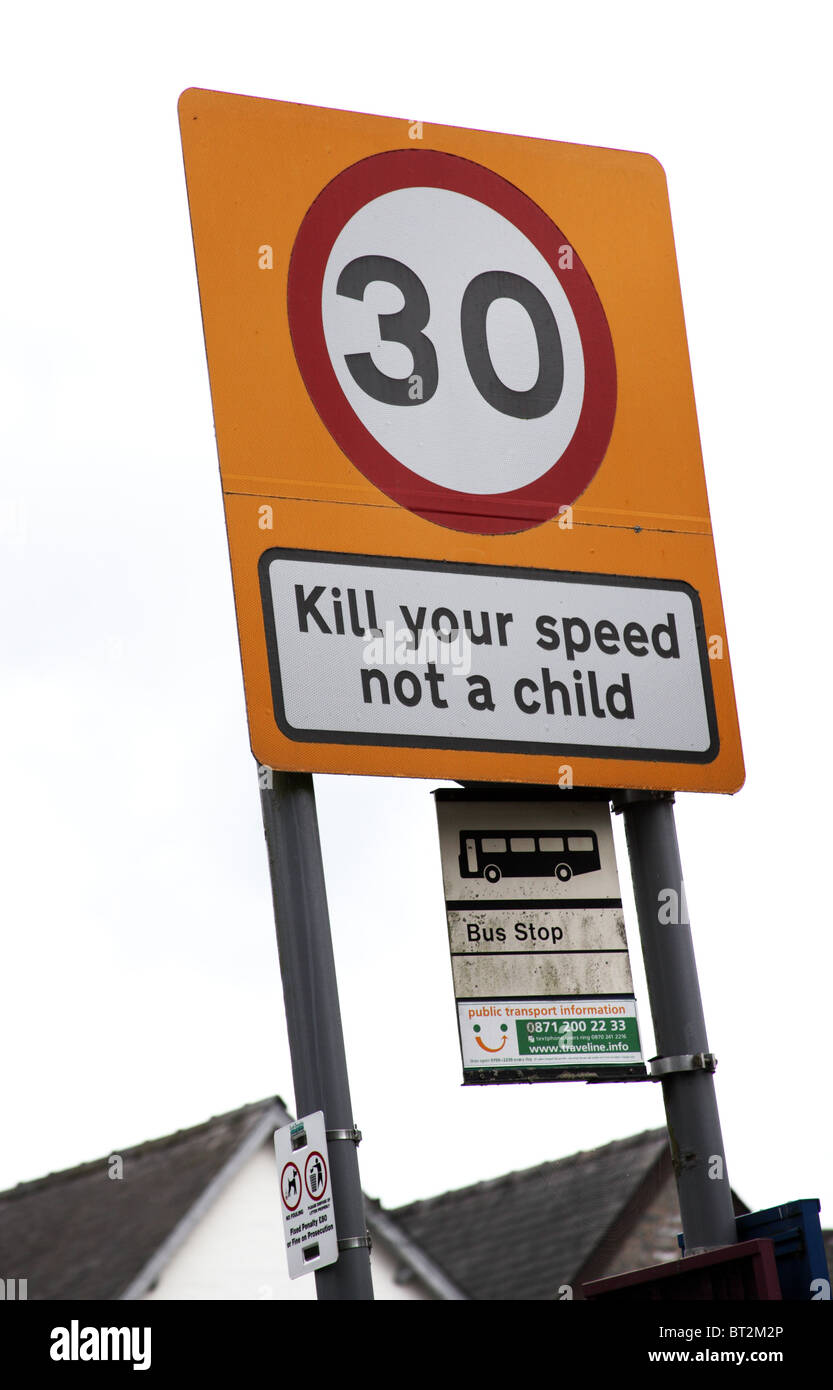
(526, 904)
(482, 745)
(634, 1071)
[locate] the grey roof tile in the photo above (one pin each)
(80, 1234)
(524, 1235)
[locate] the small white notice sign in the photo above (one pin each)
(306, 1195)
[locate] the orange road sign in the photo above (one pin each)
(464, 491)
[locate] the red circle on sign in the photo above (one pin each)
(316, 1176)
(291, 1206)
(482, 513)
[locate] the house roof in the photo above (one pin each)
(525, 1235)
(58, 1231)
(77, 1234)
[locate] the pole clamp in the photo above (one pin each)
(354, 1135)
(355, 1243)
(691, 1061)
(620, 800)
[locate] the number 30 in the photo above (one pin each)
(406, 325)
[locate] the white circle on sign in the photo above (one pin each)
(456, 438)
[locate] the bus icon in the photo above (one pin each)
(497, 854)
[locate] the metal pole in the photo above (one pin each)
(310, 989)
(679, 1026)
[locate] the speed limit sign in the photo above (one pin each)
(452, 341)
(464, 493)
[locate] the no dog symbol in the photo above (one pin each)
(291, 1190)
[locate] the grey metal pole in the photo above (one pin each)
(310, 989)
(679, 1026)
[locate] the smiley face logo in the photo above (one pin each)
(504, 1028)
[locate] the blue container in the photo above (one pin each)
(795, 1231)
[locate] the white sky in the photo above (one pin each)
(140, 989)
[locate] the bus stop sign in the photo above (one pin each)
(539, 957)
(464, 493)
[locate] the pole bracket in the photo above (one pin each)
(354, 1135)
(691, 1061)
(355, 1243)
(619, 800)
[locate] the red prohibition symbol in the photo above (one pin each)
(315, 1175)
(291, 1190)
(452, 341)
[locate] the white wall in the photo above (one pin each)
(237, 1250)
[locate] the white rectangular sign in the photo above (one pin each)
(423, 654)
(306, 1195)
(539, 956)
